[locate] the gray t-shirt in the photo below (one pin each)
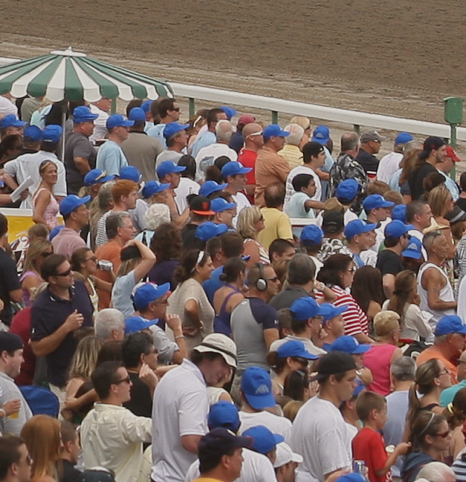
(10, 391)
(77, 145)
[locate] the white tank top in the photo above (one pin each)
(446, 294)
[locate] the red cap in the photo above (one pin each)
(246, 119)
(450, 152)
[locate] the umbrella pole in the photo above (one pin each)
(63, 122)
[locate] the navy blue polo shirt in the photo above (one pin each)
(48, 313)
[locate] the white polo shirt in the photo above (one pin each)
(181, 407)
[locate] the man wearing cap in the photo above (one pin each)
(253, 142)
(347, 195)
(433, 285)
(220, 456)
(360, 237)
(286, 463)
(310, 240)
(448, 344)
(63, 308)
(371, 142)
(27, 165)
(313, 159)
(448, 394)
(101, 108)
(346, 166)
(264, 441)
(152, 193)
(14, 410)
(321, 135)
(169, 111)
(445, 167)
(200, 212)
(10, 125)
(208, 137)
(224, 211)
(80, 154)
(111, 157)
(237, 140)
(235, 175)
(389, 260)
(333, 227)
(177, 142)
(207, 155)
(32, 137)
(151, 302)
(333, 324)
(319, 431)
(76, 216)
(270, 166)
(377, 209)
(291, 151)
(181, 406)
(111, 435)
(433, 153)
(141, 150)
(390, 163)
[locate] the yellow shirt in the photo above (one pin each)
(292, 155)
(277, 225)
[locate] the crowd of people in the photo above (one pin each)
(228, 302)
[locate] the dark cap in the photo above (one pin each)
(130, 252)
(219, 442)
(96, 474)
(332, 363)
(332, 222)
(430, 144)
(201, 205)
(312, 148)
(10, 342)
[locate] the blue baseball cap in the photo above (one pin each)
(396, 228)
(321, 135)
(153, 187)
(229, 111)
(347, 190)
(294, 348)
(145, 106)
(11, 120)
(172, 128)
(414, 249)
(71, 202)
(311, 235)
(97, 176)
(130, 173)
(375, 201)
(52, 133)
(32, 134)
(117, 120)
(82, 113)
(329, 311)
(168, 167)
(209, 187)
(256, 386)
(210, 230)
(55, 231)
(403, 138)
(136, 323)
(359, 387)
(137, 114)
(274, 130)
(399, 213)
(351, 477)
(149, 292)
(219, 205)
(450, 324)
(233, 168)
(357, 226)
(264, 441)
(223, 414)
(347, 344)
(304, 308)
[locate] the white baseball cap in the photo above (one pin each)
(285, 455)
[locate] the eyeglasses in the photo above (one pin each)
(442, 435)
(176, 109)
(444, 372)
(93, 258)
(65, 273)
(125, 380)
(46, 253)
(274, 280)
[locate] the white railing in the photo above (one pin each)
(354, 118)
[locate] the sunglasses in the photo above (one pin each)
(176, 109)
(442, 435)
(125, 380)
(65, 273)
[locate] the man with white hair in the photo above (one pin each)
(110, 325)
(291, 152)
(437, 472)
(207, 155)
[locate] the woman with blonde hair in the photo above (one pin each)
(441, 202)
(250, 223)
(405, 301)
(44, 204)
(384, 351)
(42, 436)
(30, 279)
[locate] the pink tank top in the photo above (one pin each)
(51, 210)
(377, 359)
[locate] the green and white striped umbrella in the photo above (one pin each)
(69, 75)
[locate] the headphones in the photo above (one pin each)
(261, 283)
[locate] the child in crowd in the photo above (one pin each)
(369, 445)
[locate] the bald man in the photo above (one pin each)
(253, 141)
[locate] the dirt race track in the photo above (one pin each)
(400, 57)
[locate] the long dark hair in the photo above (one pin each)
(367, 286)
(329, 274)
(188, 264)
